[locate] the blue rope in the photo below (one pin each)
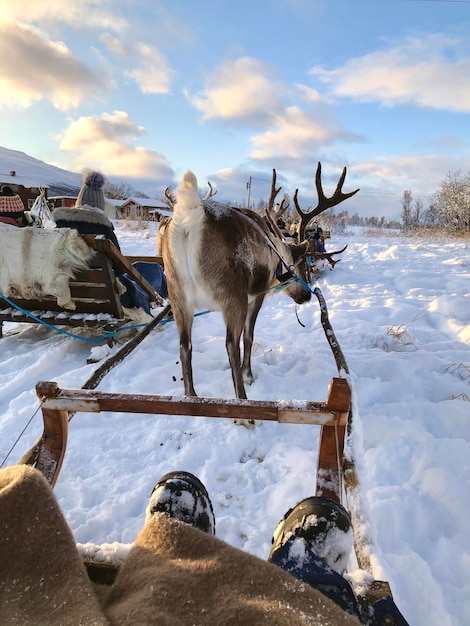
(106, 335)
(65, 332)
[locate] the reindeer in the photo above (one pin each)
(219, 258)
(224, 259)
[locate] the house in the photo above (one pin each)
(58, 201)
(27, 188)
(111, 206)
(146, 209)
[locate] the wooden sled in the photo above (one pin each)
(334, 471)
(57, 404)
(94, 292)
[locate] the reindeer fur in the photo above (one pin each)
(36, 262)
(216, 258)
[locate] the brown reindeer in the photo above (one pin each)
(224, 259)
(219, 258)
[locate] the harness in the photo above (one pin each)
(284, 277)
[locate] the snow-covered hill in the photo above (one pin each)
(33, 172)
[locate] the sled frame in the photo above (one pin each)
(94, 293)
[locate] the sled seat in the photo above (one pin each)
(94, 292)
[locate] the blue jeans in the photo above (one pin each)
(314, 571)
(135, 296)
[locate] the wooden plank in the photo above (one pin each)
(330, 459)
(89, 292)
(92, 275)
(104, 260)
(144, 259)
(53, 445)
(263, 410)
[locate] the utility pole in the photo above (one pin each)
(248, 186)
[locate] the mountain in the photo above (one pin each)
(32, 172)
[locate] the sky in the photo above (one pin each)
(400, 311)
(144, 90)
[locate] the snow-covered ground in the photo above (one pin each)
(400, 309)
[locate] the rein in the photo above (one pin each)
(289, 274)
(284, 278)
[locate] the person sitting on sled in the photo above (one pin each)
(177, 571)
(12, 209)
(315, 233)
(88, 217)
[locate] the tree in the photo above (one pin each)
(452, 202)
(417, 217)
(121, 191)
(406, 204)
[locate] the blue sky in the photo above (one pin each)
(144, 89)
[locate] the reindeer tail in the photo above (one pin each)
(187, 196)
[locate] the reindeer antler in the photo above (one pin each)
(313, 252)
(324, 203)
(170, 197)
(270, 215)
(210, 192)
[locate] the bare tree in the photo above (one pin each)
(406, 210)
(121, 191)
(417, 218)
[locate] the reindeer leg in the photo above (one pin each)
(253, 310)
(232, 343)
(186, 350)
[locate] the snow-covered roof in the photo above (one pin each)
(147, 202)
(165, 212)
(17, 179)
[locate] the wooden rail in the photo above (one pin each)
(56, 403)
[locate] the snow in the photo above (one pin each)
(400, 309)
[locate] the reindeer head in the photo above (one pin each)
(297, 287)
(323, 204)
(293, 254)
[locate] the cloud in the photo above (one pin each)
(240, 90)
(430, 72)
(44, 69)
(88, 14)
(297, 135)
(153, 75)
(104, 142)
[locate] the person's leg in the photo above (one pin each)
(178, 572)
(153, 274)
(42, 578)
(313, 543)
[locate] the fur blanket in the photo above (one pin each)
(35, 263)
(174, 575)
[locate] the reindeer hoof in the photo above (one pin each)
(250, 424)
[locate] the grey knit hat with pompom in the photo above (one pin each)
(91, 193)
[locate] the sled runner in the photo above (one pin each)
(79, 287)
